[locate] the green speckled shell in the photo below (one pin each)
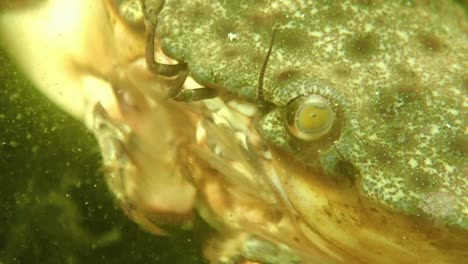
(396, 69)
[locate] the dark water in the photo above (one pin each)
(54, 203)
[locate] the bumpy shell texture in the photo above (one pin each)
(397, 70)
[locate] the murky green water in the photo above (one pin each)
(54, 203)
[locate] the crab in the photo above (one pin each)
(300, 131)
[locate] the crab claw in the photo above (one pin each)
(150, 185)
(92, 75)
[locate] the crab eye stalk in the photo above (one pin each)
(309, 117)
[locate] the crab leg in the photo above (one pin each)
(151, 9)
(190, 95)
(168, 70)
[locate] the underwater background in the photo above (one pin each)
(54, 203)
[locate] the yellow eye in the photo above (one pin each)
(309, 117)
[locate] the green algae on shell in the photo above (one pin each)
(398, 69)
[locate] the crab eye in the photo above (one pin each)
(309, 117)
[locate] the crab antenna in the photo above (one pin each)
(260, 98)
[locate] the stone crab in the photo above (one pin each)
(301, 131)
